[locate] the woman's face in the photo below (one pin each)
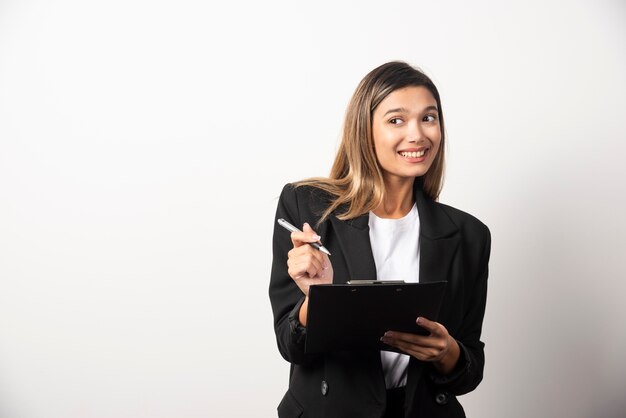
(406, 132)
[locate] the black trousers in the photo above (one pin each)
(395, 402)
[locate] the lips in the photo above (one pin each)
(413, 153)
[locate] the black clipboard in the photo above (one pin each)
(355, 316)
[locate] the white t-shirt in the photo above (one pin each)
(395, 246)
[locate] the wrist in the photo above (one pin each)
(448, 362)
(304, 309)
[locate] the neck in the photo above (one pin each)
(398, 199)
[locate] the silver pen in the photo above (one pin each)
(289, 227)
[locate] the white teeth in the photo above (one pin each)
(413, 154)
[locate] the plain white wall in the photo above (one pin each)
(143, 145)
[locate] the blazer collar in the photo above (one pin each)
(434, 222)
(438, 241)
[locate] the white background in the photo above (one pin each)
(143, 145)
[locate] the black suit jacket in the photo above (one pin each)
(454, 246)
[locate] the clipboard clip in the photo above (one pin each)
(380, 282)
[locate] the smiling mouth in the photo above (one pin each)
(413, 154)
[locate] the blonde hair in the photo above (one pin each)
(356, 181)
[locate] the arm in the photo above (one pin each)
(287, 294)
(468, 372)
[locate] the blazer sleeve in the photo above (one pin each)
(468, 372)
(285, 296)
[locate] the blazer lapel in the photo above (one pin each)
(354, 240)
(439, 240)
(439, 243)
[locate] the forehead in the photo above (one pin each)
(412, 98)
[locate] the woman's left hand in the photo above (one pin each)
(438, 348)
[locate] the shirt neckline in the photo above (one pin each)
(406, 219)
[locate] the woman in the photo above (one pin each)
(378, 215)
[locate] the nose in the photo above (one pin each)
(414, 133)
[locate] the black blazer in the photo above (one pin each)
(454, 247)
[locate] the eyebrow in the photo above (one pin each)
(404, 110)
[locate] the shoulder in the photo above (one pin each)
(467, 223)
(304, 195)
(474, 234)
(307, 201)
(303, 192)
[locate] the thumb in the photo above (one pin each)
(310, 233)
(430, 326)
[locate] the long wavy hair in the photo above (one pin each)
(356, 180)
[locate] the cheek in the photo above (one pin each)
(436, 138)
(382, 145)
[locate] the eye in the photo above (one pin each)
(430, 118)
(395, 121)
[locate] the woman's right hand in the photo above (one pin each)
(308, 265)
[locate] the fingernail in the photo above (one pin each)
(419, 320)
(387, 334)
(316, 237)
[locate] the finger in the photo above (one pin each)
(430, 326)
(325, 261)
(421, 352)
(308, 264)
(405, 337)
(315, 267)
(308, 254)
(410, 349)
(425, 344)
(304, 251)
(305, 236)
(296, 271)
(313, 237)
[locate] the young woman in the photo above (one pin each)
(378, 215)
